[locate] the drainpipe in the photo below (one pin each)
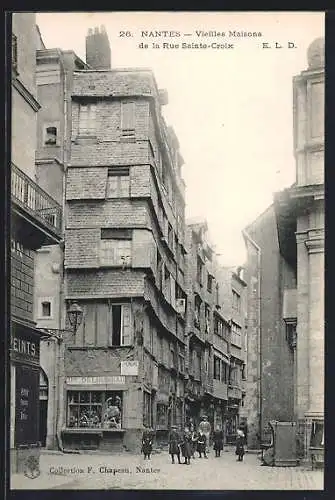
(259, 345)
(60, 346)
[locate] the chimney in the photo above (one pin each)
(98, 51)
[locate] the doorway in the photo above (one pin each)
(43, 423)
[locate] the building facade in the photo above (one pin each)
(35, 221)
(286, 281)
(300, 222)
(124, 261)
(54, 79)
(207, 333)
(270, 354)
(234, 302)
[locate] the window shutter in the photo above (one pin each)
(126, 325)
(127, 116)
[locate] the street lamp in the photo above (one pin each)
(75, 315)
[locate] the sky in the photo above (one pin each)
(231, 108)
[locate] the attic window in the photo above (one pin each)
(50, 136)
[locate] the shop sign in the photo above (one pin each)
(112, 380)
(25, 347)
(129, 367)
(26, 405)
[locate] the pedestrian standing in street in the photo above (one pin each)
(218, 441)
(174, 444)
(205, 428)
(194, 440)
(201, 446)
(186, 446)
(240, 441)
(147, 443)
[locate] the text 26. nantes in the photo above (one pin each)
(202, 34)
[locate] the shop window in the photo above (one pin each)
(120, 325)
(217, 368)
(128, 119)
(115, 248)
(94, 409)
(118, 183)
(162, 416)
(87, 119)
(147, 409)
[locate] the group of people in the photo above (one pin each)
(186, 444)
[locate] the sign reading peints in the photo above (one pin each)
(129, 367)
(25, 346)
(113, 380)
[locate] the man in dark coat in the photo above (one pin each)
(174, 444)
(186, 446)
(201, 447)
(147, 443)
(240, 445)
(218, 441)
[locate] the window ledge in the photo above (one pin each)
(82, 430)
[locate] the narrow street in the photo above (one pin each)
(92, 471)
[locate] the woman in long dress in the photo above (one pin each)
(218, 441)
(187, 446)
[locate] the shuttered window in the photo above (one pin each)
(128, 118)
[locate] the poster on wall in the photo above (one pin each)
(26, 405)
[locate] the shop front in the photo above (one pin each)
(24, 413)
(100, 412)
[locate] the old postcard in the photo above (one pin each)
(167, 250)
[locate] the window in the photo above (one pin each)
(209, 283)
(244, 372)
(170, 236)
(118, 183)
(120, 325)
(197, 310)
(45, 308)
(218, 326)
(50, 136)
(14, 52)
(217, 368)
(128, 119)
(224, 372)
(236, 301)
(173, 358)
(181, 363)
(115, 248)
(167, 284)
(93, 409)
(159, 270)
(207, 319)
(233, 375)
(147, 409)
(162, 416)
(87, 119)
(199, 270)
(197, 366)
(236, 334)
(217, 291)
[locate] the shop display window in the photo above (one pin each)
(94, 409)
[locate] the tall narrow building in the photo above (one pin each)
(36, 220)
(124, 261)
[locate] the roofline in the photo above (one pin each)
(39, 34)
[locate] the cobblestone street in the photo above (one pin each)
(91, 471)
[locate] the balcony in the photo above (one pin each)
(36, 215)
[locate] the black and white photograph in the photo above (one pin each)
(166, 250)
